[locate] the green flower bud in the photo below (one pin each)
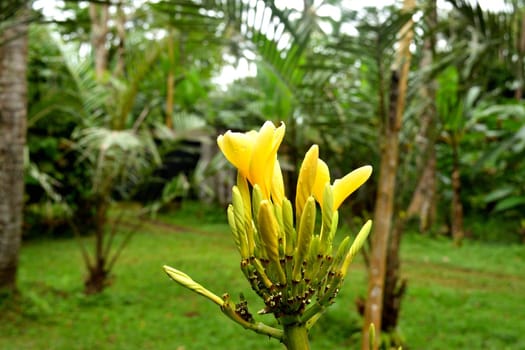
(305, 181)
(333, 230)
(289, 230)
(257, 197)
(233, 228)
(327, 214)
(311, 261)
(242, 185)
(342, 252)
(269, 233)
(278, 212)
(358, 243)
(304, 236)
(186, 281)
(244, 236)
(268, 230)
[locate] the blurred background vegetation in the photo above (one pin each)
(125, 100)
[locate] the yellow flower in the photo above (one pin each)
(254, 153)
(342, 188)
(277, 184)
(321, 178)
(238, 148)
(306, 179)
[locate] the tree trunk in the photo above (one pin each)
(423, 199)
(170, 81)
(13, 115)
(384, 208)
(99, 15)
(98, 273)
(457, 206)
(521, 54)
(423, 202)
(395, 286)
(382, 225)
(120, 26)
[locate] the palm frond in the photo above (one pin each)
(118, 156)
(266, 30)
(125, 89)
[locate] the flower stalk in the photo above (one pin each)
(287, 255)
(296, 337)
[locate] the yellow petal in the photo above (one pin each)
(347, 185)
(238, 148)
(264, 156)
(278, 136)
(306, 179)
(277, 184)
(276, 174)
(321, 178)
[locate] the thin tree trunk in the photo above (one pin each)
(170, 81)
(120, 25)
(98, 274)
(395, 286)
(457, 206)
(521, 53)
(99, 15)
(423, 199)
(13, 125)
(383, 213)
(382, 226)
(423, 202)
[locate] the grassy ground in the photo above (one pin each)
(466, 298)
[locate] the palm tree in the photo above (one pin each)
(119, 149)
(13, 111)
(384, 208)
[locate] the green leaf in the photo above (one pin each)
(498, 194)
(510, 203)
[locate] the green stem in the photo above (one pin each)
(296, 337)
(258, 327)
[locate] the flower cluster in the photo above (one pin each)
(286, 255)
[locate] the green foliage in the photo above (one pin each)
(330, 86)
(54, 173)
(176, 188)
(502, 228)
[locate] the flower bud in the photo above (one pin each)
(304, 236)
(269, 234)
(289, 230)
(186, 281)
(356, 245)
(306, 180)
(328, 215)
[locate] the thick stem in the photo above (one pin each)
(296, 337)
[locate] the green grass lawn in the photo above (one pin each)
(471, 297)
